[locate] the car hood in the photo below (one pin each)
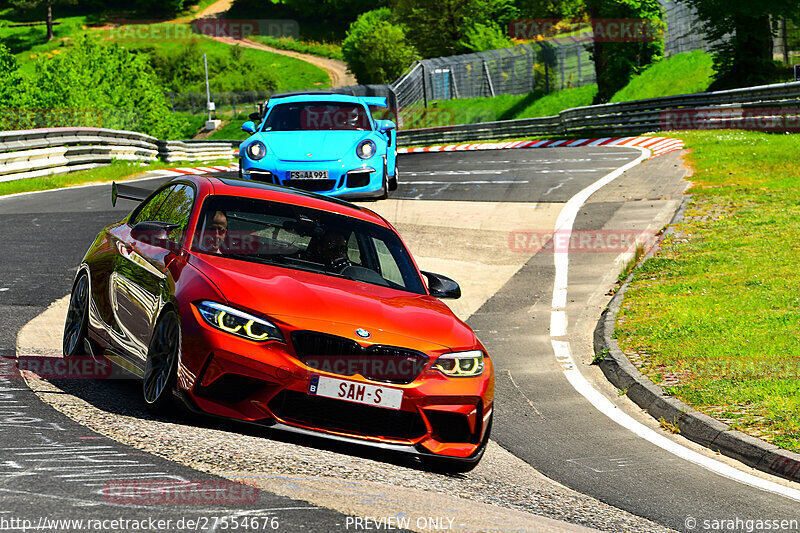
(306, 300)
(313, 145)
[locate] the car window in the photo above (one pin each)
(176, 209)
(172, 205)
(149, 210)
(301, 238)
(310, 116)
(387, 262)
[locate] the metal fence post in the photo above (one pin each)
(424, 86)
(488, 78)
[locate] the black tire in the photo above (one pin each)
(240, 171)
(393, 180)
(458, 466)
(162, 362)
(77, 322)
(385, 190)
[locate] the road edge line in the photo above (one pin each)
(563, 355)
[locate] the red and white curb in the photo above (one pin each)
(185, 171)
(657, 145)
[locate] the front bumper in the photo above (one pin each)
(264, 383)
(362, 179)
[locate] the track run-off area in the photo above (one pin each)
(567, 452)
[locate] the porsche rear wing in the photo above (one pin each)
(127, 192)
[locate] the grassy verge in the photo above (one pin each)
(715, 315)
(169, 39)
(329, 50)
(232, 130)
(502, 107)
(119, 170)
(691, 72)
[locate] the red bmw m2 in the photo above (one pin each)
(279, 307)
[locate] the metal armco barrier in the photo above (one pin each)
(712, 110)
(34, 153)
(171, 151)
(42, 152)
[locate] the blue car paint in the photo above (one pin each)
(330, 150)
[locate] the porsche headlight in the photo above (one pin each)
(238, 322)
(460, 364)
(365, 149)
(256, 150)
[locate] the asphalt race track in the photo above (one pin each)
(52, 466)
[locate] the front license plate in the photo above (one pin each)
(352, 391)
(308, 174)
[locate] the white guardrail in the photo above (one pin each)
(42, 152)
(33, 153)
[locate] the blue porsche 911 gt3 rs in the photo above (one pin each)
(322, 142)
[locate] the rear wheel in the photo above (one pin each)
(77, 317)
(162, 361)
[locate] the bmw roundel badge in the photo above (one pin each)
(364, 334)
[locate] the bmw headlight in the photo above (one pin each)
(365, 149)
(256, 150)
(460, 364)
(238, 322)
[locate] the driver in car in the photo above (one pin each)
(329, 249)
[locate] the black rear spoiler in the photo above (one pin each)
(127, 192)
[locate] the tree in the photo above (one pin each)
(376, 49)
(29, 5)
(616, 62)
(94, 84)
(558, 9)
(441, 28)
(741, 34)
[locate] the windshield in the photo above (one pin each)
(305, 239)
(310, 116)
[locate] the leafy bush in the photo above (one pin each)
(92, 84)
(481, 37)
(9, 78)
(376, 49)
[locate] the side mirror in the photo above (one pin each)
(249, 127)
(385, 125)
(442, 286)
(155, 234)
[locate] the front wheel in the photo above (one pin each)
(77, 317)
(385, 189)
(160, 369)
(393, 180)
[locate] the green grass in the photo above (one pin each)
(686, 73)
(118, 170)
(232, 130)
(718, 308)
(329, 50)
(30, 45)
(291, 73)
(502, 107)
